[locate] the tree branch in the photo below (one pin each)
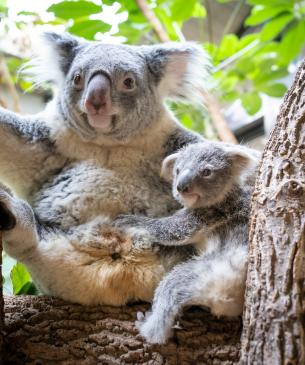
(153, 20)
(223, 130)
(10, 84)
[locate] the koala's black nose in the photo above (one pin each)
(98, 95)
(184, 182)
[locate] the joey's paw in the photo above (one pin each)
(151, 328)
(141, 239)
(7, 216)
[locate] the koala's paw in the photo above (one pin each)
(7, 215)
(151, 328)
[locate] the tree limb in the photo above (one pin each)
(223, 130)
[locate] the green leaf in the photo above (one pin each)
(181, 11)
(292, 43)
(74, 9)
(199, 11)
(260, 14)
(269, 74)
(30, 13)
(20, 277)
(276, 90)
(252, 102)
(274, 27)
(288, 3)
(228, 46)
(89, 28)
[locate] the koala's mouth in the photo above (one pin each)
(100, 121)
(190, 200)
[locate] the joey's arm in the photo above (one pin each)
(178, 229)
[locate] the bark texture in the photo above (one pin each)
(274, 317)
(44, 331)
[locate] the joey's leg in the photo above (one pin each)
(18, 225)
(215, 280)
(173, 293)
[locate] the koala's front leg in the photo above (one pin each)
(18, 225)
(178, 229)
(25, 146)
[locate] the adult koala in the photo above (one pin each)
(93, 153)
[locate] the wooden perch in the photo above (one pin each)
(42, 330)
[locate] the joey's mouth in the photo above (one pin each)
(190, 199)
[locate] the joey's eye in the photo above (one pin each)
(177, 171)
(129, 83)
(78, 81)
(206, 172)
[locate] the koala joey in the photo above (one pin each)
(212, 181)
(93, 153)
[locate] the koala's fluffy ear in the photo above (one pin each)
(55, 53)
(241, 157)
(168, 166)
(180, 69)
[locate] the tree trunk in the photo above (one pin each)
(274, 318)
(44, 331)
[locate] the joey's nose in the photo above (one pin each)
(98, 95)
(184, 182)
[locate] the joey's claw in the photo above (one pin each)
(151, 329)
(140, 317)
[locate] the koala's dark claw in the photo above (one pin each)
(7, 219)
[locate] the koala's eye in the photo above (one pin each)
(78, 81)
(129, 83)
(206, 172)
(177, 171)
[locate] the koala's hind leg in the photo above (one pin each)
(215, 280)
(17, 223)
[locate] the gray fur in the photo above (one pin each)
(216, 222)
(75, 178)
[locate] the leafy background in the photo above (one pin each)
(244, 67)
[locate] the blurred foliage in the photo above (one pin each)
(243, 67)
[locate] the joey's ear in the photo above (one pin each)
(180, 69)
(55, 53)
(168, 166)
(240, 157)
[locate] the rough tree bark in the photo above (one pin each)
(46, 331)
(274, 318)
